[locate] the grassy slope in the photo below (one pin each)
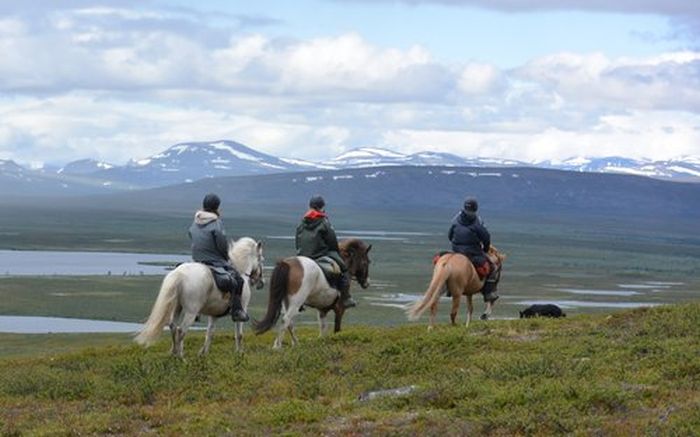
(632, 372)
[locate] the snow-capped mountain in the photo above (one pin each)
(84, 166)
(682, 169)
(376, 157)
(187, 162)
(18, 181)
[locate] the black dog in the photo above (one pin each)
(546, 310)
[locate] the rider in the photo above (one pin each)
(210, 247)
(470, 237)
(316, 238)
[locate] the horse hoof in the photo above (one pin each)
(484, 317)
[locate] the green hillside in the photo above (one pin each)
(630, 373)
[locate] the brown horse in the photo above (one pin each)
(454, 272)
(298, 281)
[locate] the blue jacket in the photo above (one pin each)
(468, 235)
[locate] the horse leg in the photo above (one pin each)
(207, 338)
(322, 323)
(433, 313)
(238, 327)
(339, 311)
(187, 321)
(174, 329)
(290, 328)
(286, 321)
(487, 311)
(455, 307)
(470, 309)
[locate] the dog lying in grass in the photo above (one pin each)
(542, 310)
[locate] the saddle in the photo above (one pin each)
(222, 278)
(330, 268)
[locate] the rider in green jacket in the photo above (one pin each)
(315, 238)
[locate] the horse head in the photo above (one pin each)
(247, 257)
(355, 252)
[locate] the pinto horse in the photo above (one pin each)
(298, 281)
(456, 273)
(190, 290)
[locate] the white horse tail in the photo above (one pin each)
(279, 284)
(162, 310)
(440, 274)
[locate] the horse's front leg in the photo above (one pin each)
(207, 338)
(322, 323)
(238, 328)
(339, 311)
(470, 309)
(487, 311)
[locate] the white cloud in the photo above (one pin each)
(130, 83)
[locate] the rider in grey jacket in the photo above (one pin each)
(210, 247)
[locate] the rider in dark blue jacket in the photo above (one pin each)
(470, 237)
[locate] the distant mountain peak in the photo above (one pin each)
(84, 166)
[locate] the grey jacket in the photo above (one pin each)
(209, 242)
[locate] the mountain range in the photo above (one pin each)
(189, 162)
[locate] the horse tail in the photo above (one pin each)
(162, 310)
(440, 274)
(278, 292)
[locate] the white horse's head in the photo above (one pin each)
(246, 255)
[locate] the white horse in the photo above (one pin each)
(298, 281)
(190, 290)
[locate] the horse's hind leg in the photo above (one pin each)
(207, 339)
(455, 307)
(295, 340)
(174, 329)
(187, 321)
(470, 309)
(433, 312)
(286, 321)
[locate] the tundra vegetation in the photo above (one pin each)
(629, 373)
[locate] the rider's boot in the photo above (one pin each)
(489, 288)
(344, 287)
(237, 312)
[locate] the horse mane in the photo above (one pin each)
(495, 252)
(352, 244)
(241, 251)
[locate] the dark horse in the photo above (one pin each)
(298, 281)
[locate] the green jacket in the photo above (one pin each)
(316, 238)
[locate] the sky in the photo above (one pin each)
(528, 80)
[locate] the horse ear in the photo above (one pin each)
(369, 248)
(260, 244)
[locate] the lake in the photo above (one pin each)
(38, 262)
(48, 325)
